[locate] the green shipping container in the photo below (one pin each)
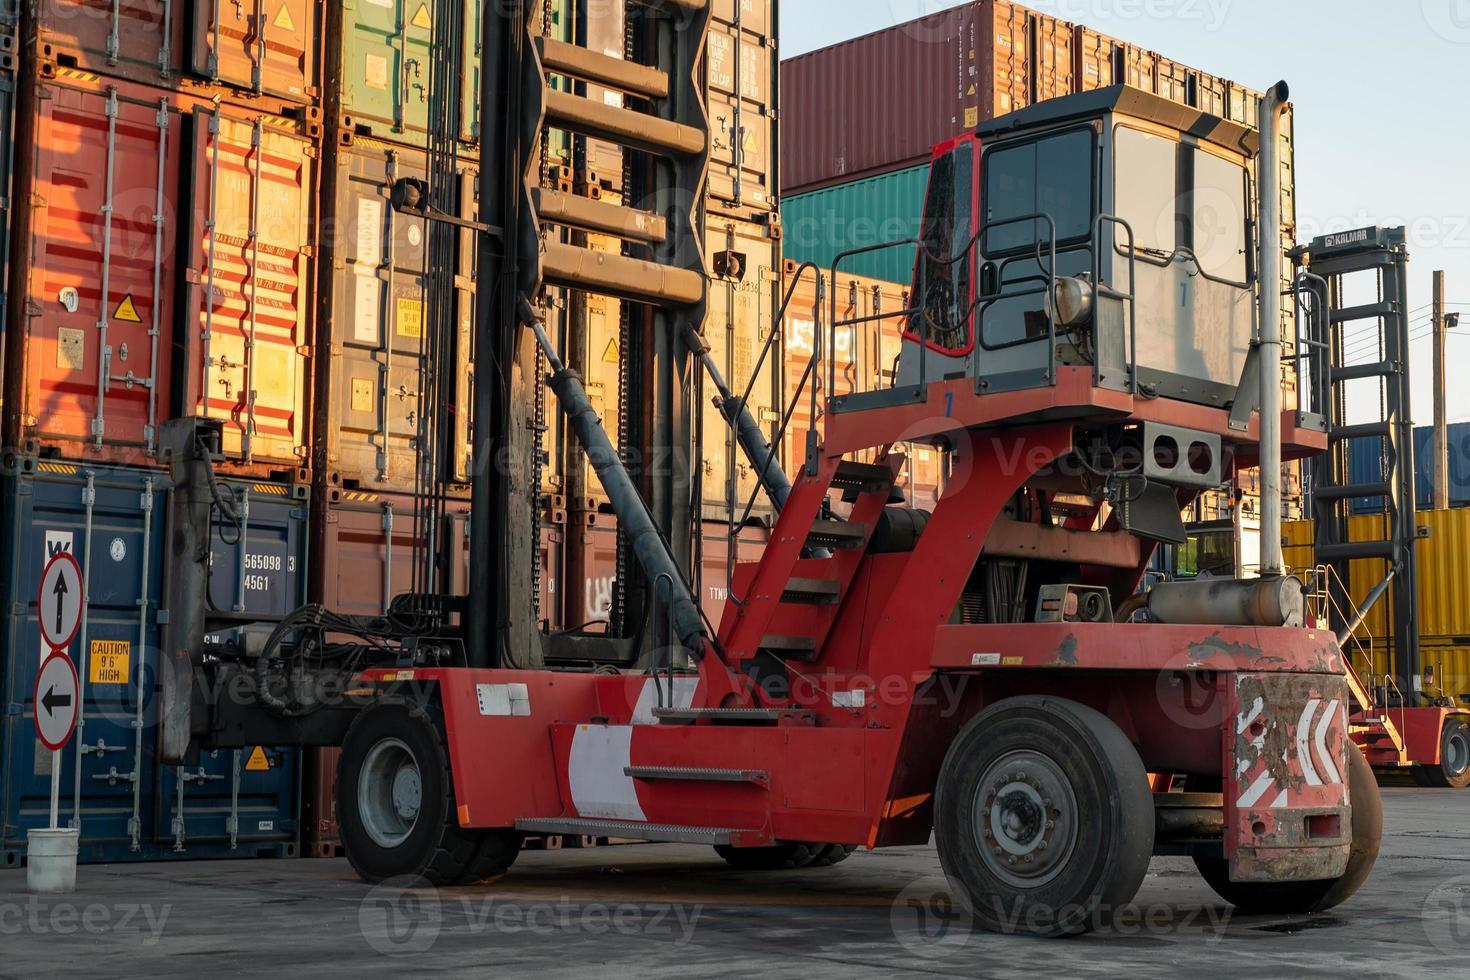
(385, 69)
(818, 225)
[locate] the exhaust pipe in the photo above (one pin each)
(1268, 236)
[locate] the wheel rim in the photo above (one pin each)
(1457, 753)
(1025, 819)
(389, 793)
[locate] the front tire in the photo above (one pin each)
(1043, 817)
(1453, 771)
(396, 809)
(1300, 897)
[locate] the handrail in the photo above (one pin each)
(1131, 296)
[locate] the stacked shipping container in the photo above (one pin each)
(165, 179)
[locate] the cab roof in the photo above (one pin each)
(1127, 101)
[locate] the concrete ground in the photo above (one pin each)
(676, 911)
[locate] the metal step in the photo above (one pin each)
(557, 208)
(812, 592)
(1369, 311)
(836, 534)
(728, 716)
(1357, 372)
(852, 475)
(593, 66)
(670, 833)
(627, 127)
(697, 775)
(1343, 433)
(790, 647)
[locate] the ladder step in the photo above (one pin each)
(836, 534)
(1358, 372)
(852, 475)
(697, 775)
(730, 716)
(1369, 311)
(1342, 433)
(790, 647)
(627, 127)
(812, 592)
(632, 830)
(594, 66)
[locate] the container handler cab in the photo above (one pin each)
(880, 677)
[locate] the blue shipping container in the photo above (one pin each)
(818, 225)
(129, 807)
(1366, 460)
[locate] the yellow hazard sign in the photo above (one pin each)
(109, 661)
(410, 321)
(258, 761)
(612, 354)
(283, 19)
(127, 311)
(422, 19)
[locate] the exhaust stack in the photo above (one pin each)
(1268, 237)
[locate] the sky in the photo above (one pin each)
(1383, 132)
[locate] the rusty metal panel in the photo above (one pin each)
(1287, 810)
(1094, 52)
(264, 47)
(252, 184)
(92, 380)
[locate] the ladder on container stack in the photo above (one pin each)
(1332, 260)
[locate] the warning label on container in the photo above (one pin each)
(611, 355)
(109, 661)
(422, 19)
(362, 395)
(258, 761)
(283, 19)
(375, 72)
(410, 320)
(127, 311)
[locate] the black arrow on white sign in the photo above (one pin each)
(52, 700)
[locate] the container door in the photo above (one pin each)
(385, 67)
(263, 47)
(378, 322)
(141, 40)
(101, 280)
(470, 127)
(742, 91)
(737, 328)
(245, 798)
(111, 522)
(250, 270)
(7, 162)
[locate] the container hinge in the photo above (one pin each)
(306, 350)
(112, 777)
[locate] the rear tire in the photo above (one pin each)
(1453, 771)
(1300, 897)
(1043, 817)
(396, 809)
(783, 857)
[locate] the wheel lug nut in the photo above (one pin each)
(1042, 846)
(1050, 824)
(1010, 860)
(1030, 858)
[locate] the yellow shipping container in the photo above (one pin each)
(1444, 571)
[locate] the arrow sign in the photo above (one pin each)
(59, 604)
(56, 701)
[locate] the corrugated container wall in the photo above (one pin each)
(7, 160)
(818, 225)
(882, 101)
(231, 803)
(167, 272)
(1366, 466)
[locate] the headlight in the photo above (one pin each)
(1070, 301)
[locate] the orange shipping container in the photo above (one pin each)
(252, 182)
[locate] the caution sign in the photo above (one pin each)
(258, 761)
(283, 19)
(422, 19)
(410, 319)
(109, 661)
(127, 311)
(612, 355)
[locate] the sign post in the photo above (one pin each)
(52, 853)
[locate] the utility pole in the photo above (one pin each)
(1441, 460)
